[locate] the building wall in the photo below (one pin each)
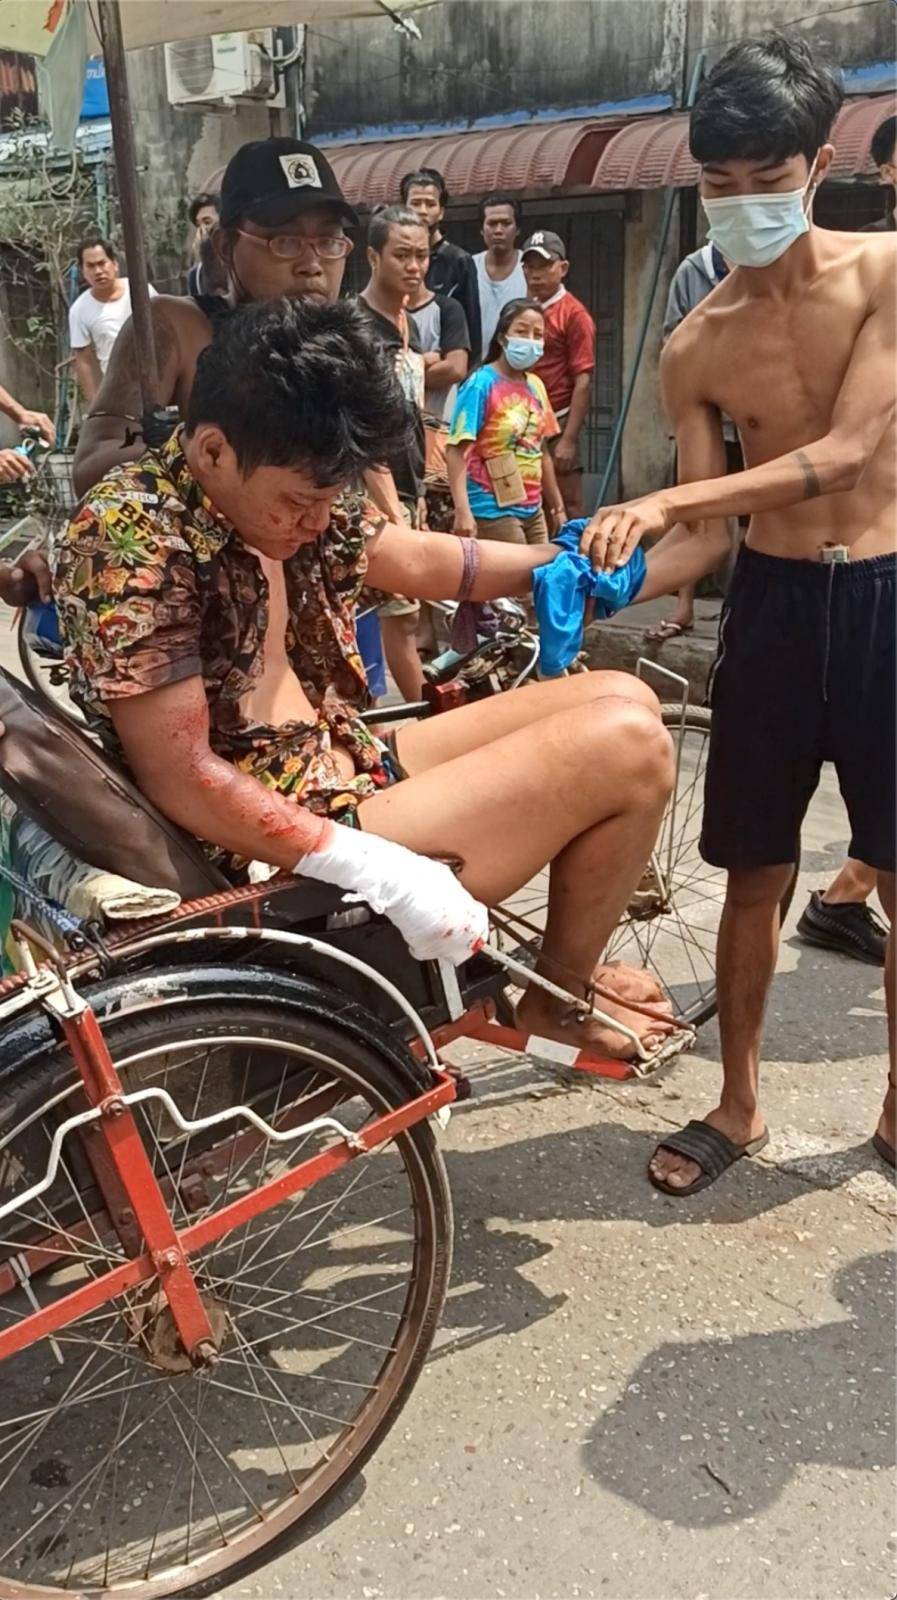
(481, 60)
(844, 35)
(178, 150)
(647, 455)
(488, 58)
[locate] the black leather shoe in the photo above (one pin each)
(852, 929)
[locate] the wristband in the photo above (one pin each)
(470, 551)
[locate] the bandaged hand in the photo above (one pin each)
(433, 912)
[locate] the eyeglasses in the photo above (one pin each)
(290, 246)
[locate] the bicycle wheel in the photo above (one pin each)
(671, 924)
(123, 1470)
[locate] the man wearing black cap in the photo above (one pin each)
(567, 366)
(280, 232)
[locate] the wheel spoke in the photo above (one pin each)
(311, 1303)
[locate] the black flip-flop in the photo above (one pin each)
(710, 1149)
(886, 1151)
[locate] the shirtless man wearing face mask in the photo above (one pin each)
(797, 345)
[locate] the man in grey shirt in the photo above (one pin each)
(445, 341)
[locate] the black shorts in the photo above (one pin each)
(804, 674)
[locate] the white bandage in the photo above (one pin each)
(433, 912)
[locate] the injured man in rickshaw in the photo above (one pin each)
(207, 593)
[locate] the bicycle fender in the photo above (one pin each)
(25, 1040)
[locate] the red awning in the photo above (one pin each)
(654, 154)
(543, 155)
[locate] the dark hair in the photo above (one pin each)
(884, 140)
(765, 100)
(506, 316)
(313, 390)
(424, 177)
(96, 241)
(199, 203)
(497, 199)
(386, 217)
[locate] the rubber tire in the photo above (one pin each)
(387, 1088)
(697, 719)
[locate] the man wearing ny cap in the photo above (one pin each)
(567, 366)
(281, 231)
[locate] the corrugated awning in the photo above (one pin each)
(537, 156)
(654, 154)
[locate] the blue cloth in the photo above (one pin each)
(561, 589)
(42, 629)
(370, 648)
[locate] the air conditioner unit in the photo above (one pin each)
(223, 68)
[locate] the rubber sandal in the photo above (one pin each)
(886, 1151)
(712, 1151)
(667, 630)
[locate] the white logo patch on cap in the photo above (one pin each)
(300, 171)
(537, 238)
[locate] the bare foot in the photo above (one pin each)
(542, 1014)
(668, 628)
(680, 1172)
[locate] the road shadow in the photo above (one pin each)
(594, 1174)
(715, 1430)
(851, 1025)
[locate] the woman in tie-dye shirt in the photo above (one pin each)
(499, 469)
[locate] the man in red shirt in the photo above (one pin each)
(568, 363)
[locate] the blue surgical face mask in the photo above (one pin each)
(753, 230)
(523, 353)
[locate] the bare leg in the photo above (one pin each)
(683, 616)
(887, 1125)
(854, 883)
(400, 649)
(584, 789)
(570, 486)
(747, 950)
(439, 739)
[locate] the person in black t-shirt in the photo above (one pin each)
(451, 271)
(884, 154)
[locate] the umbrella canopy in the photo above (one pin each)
(30, 25)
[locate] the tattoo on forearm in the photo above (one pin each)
(812, 486)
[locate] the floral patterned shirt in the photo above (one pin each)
(154, 586)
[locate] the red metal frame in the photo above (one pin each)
(161, 1237)
(124, 1158)
(479, 1023)
(492, 1032)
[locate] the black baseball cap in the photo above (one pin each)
(549, 245)
(271, 181)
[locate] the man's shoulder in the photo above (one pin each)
(573, 310)
(454, 252)
(139, 487)
(80, 305)
(860, 264)
(180, 310)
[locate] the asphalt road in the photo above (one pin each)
(638, 1398)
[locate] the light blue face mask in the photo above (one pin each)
(753, 230)
(523, 353)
